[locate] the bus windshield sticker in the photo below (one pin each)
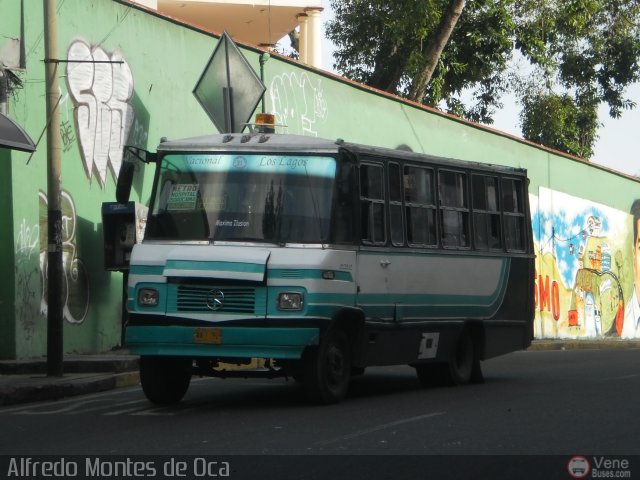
(232, 223)
(301, 165)
(183, 197)
(216, 203)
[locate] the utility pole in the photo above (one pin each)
(54, 271)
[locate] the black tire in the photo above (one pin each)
(459, 370)
(327, 368)
(165, 380)
(462, 360)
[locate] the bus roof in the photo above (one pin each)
(251, 142)
(285, 143)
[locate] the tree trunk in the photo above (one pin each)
(435, 48)
(389, 65)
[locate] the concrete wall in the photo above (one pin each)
(147, 94)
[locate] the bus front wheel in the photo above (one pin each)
(327, 368)
(165, 380)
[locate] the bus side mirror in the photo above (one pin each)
(131, 157)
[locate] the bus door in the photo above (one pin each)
(373, 256)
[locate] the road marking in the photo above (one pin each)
(107, 406)
(42, 410)
(156, 411)
(66, 400)
(377, 428)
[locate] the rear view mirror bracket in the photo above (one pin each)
(132, 155)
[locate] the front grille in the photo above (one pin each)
(197, 298)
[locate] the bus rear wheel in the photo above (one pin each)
(327, 368)
(458, 370)
(165, 380)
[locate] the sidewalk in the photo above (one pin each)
(586, 344)
(23, 381)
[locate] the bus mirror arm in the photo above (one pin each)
(125, 180)
(132, 155)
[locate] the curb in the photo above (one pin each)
(575, 344)
(37, 389)
(72, 365)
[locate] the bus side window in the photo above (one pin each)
(420, 206)
(395, 205)
(513, 207)
(344, 231)
(372, 204)
(486, 212)
(454, 209)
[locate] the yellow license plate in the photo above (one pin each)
(208, 335)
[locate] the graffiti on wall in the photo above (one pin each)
(101, 87)
(66, 135)
(75, 282)
(584, 274)
(31, 268)
(298, 102)
(27, 277)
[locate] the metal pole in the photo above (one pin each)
(263, 59)
(54, 271)
(228, 91)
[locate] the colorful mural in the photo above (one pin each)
(631, 328)
(584, 267)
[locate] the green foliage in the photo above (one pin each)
(382, 44)
(582, 53)
(558, 122)
(587, 49)
(475, 60)
(377, 41)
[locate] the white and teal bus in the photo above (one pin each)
(326, 257)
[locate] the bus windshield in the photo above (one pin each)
(240, 197)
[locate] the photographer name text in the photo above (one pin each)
(27, 467)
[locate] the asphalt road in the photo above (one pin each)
(558, 403)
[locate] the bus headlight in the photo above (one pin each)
(148, 297)
(290, 301)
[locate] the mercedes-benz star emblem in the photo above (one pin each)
(215, 300)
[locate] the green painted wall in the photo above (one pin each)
(582, 226)
(7, 260)
(149, 96)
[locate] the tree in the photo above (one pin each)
(581, 54)
(434, 49)
(585, 53)
(400, 47)
(557, 121)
